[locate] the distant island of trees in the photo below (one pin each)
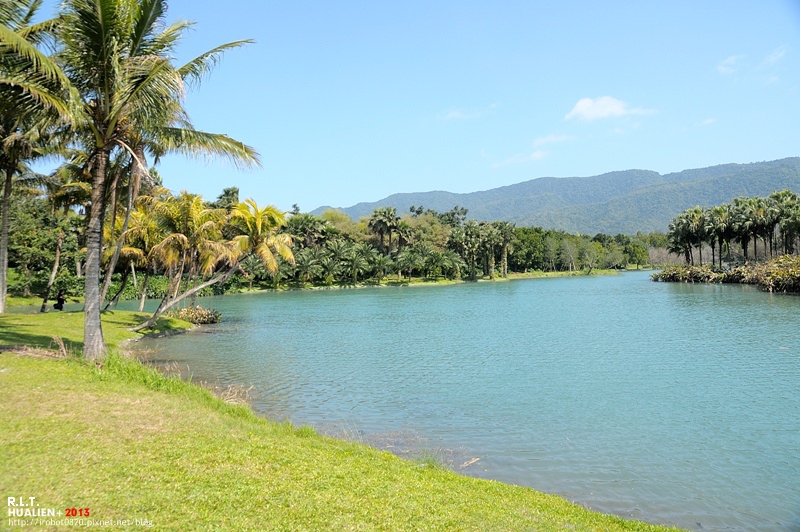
(731, 232)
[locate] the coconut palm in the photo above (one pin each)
(30, 98)
(257, 233)
(118, 55)
(144, 233)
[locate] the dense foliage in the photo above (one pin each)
(775, 220)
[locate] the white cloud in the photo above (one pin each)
(523, 158)
(708, 122)
(604, 107)
(775, 56)
(549, 139)
(729, 65)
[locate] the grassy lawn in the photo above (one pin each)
(129, 443)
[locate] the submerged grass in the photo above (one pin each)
(131, 443)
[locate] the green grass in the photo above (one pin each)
(130, 443)
(38, 330)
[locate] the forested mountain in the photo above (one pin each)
(616, 202)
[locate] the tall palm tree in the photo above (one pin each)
(786, 203)
(144, 233)
(118, 56)
(506, 236)
(720, 223)
(696, 219)
(378, 224)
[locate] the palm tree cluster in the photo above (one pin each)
(774, 221)
(98, 84)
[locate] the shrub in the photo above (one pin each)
(778, 275)
(197, 315)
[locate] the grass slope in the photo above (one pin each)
(129, 443)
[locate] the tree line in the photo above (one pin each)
(174, 247)
(733, 230)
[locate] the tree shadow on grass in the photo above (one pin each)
(38, 330)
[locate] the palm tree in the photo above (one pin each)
(506, 235)
(381, 265)
(118, 56)
(742, 222)
(720, 224)
(378, 224)
(193, 242)
(357, 260)
(257, 234)
(696, 220)
(466, 239)
(29, 101)
(197, 241)
(306, 264)
(786, 203)
(144, 233)
(407, 260)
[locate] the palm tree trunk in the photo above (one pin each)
(94, 346)
(114, 300)
(166, 305)
(4, 226)
(54, 271)
(143, 295)
(112, 264)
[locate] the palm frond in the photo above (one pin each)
(195, 70)
(198, 143)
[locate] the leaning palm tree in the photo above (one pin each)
(118, 56)
(258, 234)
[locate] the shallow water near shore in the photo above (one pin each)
(670, 403)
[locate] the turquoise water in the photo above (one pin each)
(669, 403)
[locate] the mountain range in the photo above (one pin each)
(617, 202)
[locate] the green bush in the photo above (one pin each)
(778, 275)
(197, 315)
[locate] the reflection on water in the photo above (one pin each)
(669, 403)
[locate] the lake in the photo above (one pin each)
(670, 403)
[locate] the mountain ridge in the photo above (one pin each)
(624, 201)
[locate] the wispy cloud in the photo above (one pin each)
(708, 122)
(729, 65)
(549, 139)
(604, 107)
(523, 158)
(775, 56)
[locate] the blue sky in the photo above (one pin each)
(354, 101)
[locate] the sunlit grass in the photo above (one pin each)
(128, 442)
(38, 330)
